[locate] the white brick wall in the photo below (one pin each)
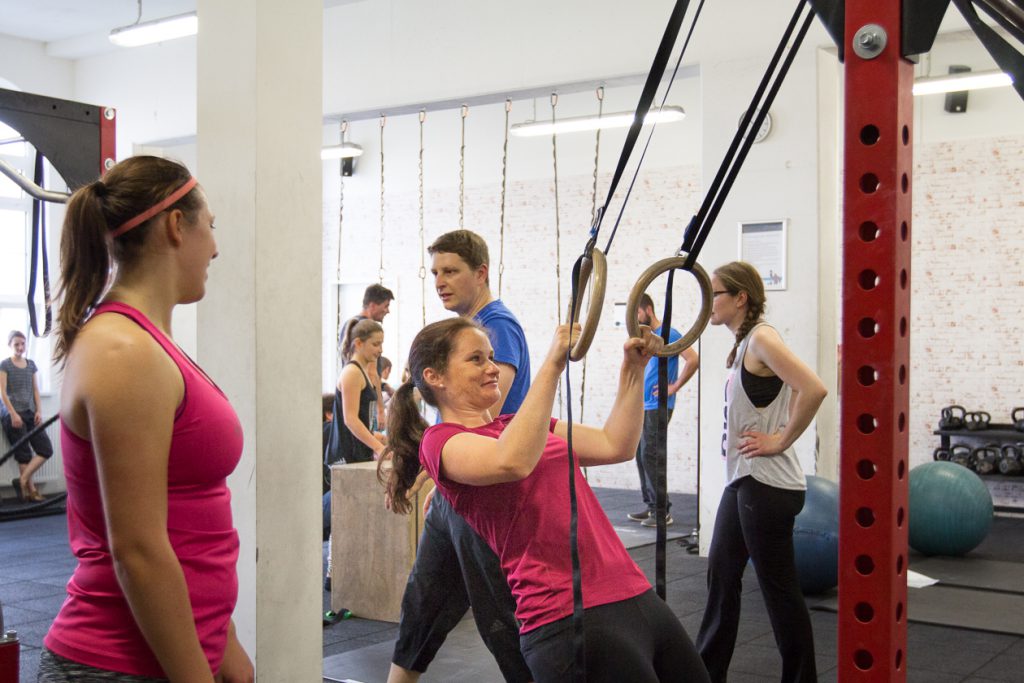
(967, 282)
(967, 277)
(662, 203)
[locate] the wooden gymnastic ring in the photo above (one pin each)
(648, 276)
(594, 262)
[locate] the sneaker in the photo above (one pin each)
(652, 521)
(639, 516)
(331, 617)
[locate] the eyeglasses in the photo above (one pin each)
(715, 293)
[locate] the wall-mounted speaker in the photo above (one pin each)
(956, 102)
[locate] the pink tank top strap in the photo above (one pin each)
(187, 366)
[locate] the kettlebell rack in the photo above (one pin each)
(994, 450)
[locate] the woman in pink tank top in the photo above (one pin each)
(148, 441)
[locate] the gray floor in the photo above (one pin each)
(35, 563)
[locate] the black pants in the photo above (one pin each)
(755, 521)
(647, 460)
(455, 569)
(637, 640)
(38, 444)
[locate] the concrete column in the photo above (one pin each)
(258, 330)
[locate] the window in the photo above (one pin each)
(15, 250)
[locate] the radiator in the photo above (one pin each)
(49, 478)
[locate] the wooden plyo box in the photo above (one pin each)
(372, 548)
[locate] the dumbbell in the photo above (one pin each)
(1017, 417)
(952, 417)
(1009, 459)
(960, 454)
(985, 459)
(977, 420)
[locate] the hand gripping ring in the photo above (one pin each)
(595, 262)
(649, 275)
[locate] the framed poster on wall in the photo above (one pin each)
(763, 245)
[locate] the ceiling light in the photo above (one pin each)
(960, 82)
(346, 150)
(156, 31)
(582, 123)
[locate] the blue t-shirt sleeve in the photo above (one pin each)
(509, 342)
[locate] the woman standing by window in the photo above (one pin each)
(20, 412)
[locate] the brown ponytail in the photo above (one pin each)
(430, 349)
(736, 277)
(405, 431)
(87, 252)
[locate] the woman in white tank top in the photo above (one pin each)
(771, 396)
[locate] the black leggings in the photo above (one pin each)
(454, 569)
(755, 521)
(637, 640)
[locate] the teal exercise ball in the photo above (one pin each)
(816, 537)
(950, 509)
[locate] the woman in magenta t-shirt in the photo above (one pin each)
(148, 441)
(507, 477)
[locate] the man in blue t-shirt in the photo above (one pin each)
(460, 267)
(454, 567)
(646, 450)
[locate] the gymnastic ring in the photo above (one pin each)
(594, 262)
(648, 276)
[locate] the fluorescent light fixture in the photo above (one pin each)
(345, 150)
(960, 82)
(581, 123)
(156, 31)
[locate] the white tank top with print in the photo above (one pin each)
(783, 470)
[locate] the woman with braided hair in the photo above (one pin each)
(771, 396)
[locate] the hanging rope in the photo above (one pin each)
(558, 230)
(597, 154)
(462, 169)
(423, 244)
(593, 217)
(341, 222)
(504, 183)
(380, 271)
(588, 257)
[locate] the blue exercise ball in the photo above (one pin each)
(816, 537)
(950, 509)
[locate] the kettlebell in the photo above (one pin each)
(940, 453)
(1017, 417)
(1009, 459)
(952, 417)
(960, 454)
(985, 459)
(977, 420)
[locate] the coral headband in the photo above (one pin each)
(154, 210)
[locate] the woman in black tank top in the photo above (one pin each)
(354, 433)
(355, 436)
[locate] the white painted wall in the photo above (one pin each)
(25, 64)
(153, 89)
